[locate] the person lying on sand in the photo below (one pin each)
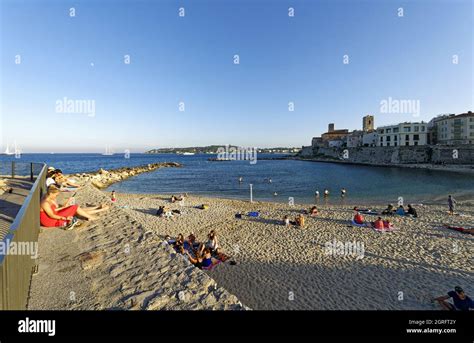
(60, 180)
(313, 211)
(175, 199)
(461, 302)
(53, 215)
(389, 210)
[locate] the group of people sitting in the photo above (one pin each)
(378, 224)
(202, 255)
(391, 210)
(299, 219)
(56, 177)
(65, 215)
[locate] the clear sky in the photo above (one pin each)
(190, 59)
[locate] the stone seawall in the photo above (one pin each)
(447, 155)
(102, 178)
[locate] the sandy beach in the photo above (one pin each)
(117, 263)
(120, 261)
(283, 268)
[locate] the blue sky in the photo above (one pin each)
(190, 59)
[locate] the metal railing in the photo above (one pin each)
(16, 269)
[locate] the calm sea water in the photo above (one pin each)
(297, 179)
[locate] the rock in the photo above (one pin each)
(91, 260)
(181, 296)
(103, 171)
(98, 184)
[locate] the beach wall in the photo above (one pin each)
(460, 154)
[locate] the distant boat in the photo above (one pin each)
(188, 153)
(108, 152)
(9, 152)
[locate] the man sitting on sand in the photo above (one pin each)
(461, 302)
(204, 260)
(412, 212)
(299, 220)
(400, 210)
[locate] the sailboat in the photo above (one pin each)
(108, 151)
(8, 152)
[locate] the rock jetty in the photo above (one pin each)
(103, 178)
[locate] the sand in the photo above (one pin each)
(278, 267)
(118, 263)
(289, 268)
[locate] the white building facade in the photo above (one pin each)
(454, 129)
(404, 134)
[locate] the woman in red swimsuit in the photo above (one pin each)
(52, 215)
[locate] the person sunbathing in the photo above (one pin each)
(358, 218)
(286, 221)
(389, 210)
(62, 181)
(461, 302)
(299, 220)
(314, 211)
(53, 215)
(378, 224)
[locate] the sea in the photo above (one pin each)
(272, 180)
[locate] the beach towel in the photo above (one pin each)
(356, 224)
(369, 212)
(253, 214)
(222, 257)
(460, 229)
(212, 265)
(385, 229)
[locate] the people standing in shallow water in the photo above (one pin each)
(343, 192)
(326, 193)
(241, 179)
(451, 204)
